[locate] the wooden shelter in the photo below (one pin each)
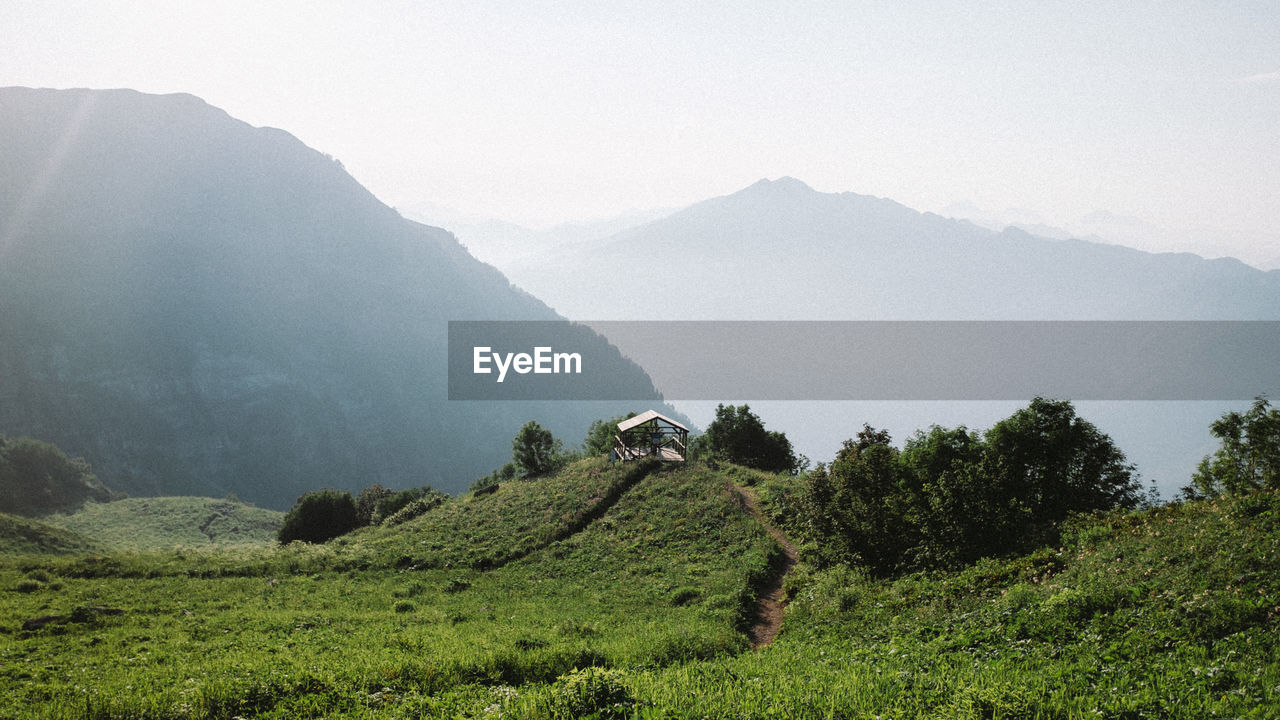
(651, 434)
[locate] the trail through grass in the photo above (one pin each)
(600, 594)
(772, 596)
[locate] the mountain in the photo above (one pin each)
(502, 243)
(779, 250)
(197, 306)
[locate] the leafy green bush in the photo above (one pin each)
(319, 516)
(1247, 458)
(535, 451)
(429, 500)
(28, 586)
(367, 502)
(600, 435)
(596, 691)
(490, 482)
(951, 496)
(739, 436)
(37, 477)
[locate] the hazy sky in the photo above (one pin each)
(541, 112)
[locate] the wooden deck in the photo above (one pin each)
(664, 454)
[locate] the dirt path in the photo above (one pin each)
(769, 612)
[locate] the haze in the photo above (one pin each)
(1162, 116)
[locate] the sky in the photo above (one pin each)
(1157, 123)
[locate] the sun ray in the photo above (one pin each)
(30, 200)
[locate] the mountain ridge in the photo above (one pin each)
(784, 238)
(198, 306)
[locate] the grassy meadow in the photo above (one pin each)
(618, 592)
(160, 523)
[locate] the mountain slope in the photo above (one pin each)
(1169, 612)
(781, 250)
(198, 306)
(659, 578)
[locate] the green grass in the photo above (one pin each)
(21, 536)
(1168, 613)
(488, 531)
(622, 592)
(160, 523)
(388, 642)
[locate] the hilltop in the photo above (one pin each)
(169, 522)
(629, 591)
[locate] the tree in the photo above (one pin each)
(1057, 463)
(319, 516)
(1248, 455)
(535, 451)
(37, 477)
(859, 507)
(951, 496)
(600, 435)
(739, 436)
(960, 510)
(367, 502)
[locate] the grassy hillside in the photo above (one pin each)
(625, 592)
(171, 522)
(24, 536)
(1168, 613)
(661, 576)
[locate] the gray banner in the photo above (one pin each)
(869, 360)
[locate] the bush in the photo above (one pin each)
(738, 435)
(28, 586)
(416, 508)
(37, 477)
(595, 691)
(367, 502)
(951, 496)
(319, 516)
(1247, 458)
(488, 483)
(535, 451)
(600, 435)
(426, 497)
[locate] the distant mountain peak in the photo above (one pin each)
(784, 184)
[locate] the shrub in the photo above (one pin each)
(952, 496)
(600, 435)
(37, 477)
(367, 502)
(488, 483)
(535, 451)
(684, 595)
(416, 508)
(596, 691)
(319, 516)
(1248, 456)
(738, 435)
(456, 585)
(28, 586)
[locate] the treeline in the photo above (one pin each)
(325, 514)
(950, 496)
(36, 477)
(736, 435)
